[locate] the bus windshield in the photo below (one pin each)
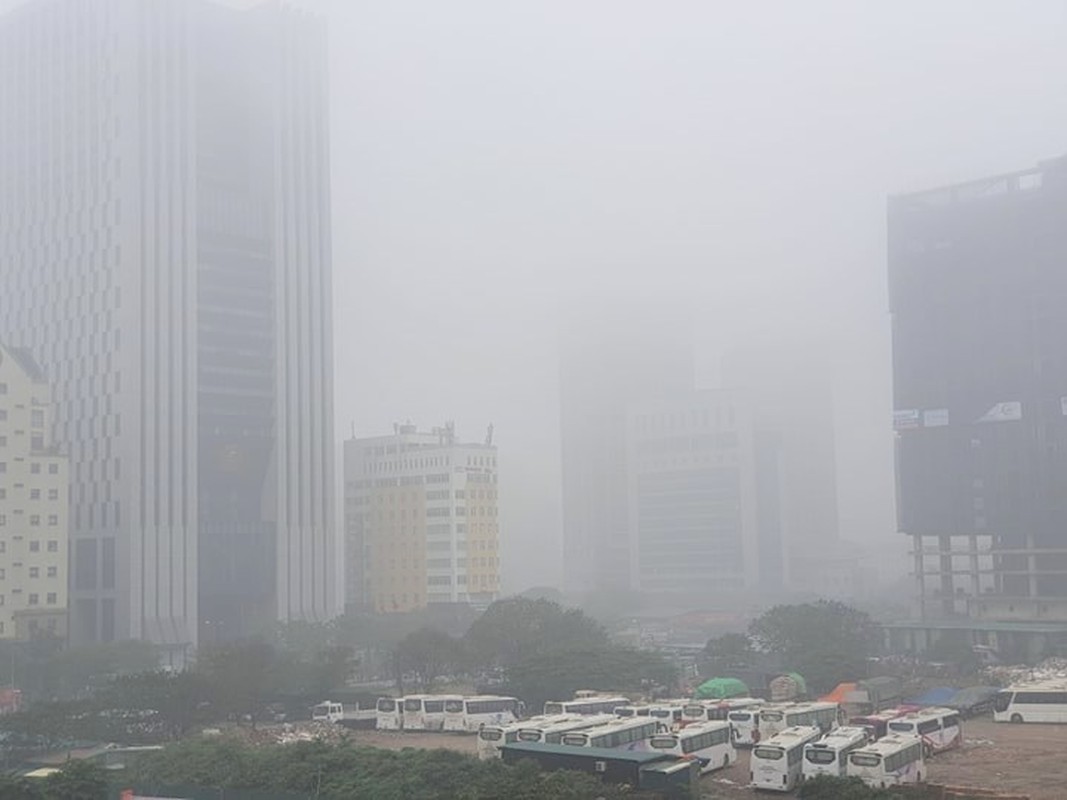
(625, 712)
(865, 759)
(412, 705)
(772, 716)
(433, 706)
(663, 742)
(1002, 701)
(454, 706)
(740, 716)
(490, 734)
(553, 708)
(529, 736)
(768, 753)
(820, 756)
(386, 704)
(902, 727)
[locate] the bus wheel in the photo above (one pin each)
(726, 761)
(1016, 718)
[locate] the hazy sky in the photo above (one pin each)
(496, 162)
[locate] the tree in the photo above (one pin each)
(77, 780)
(238, 673)
(827, 642)
(517, 628)
(429, 653)
(728, 653)
(558, 673)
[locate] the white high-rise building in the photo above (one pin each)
(165, 252)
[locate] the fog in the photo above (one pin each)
(498, 166)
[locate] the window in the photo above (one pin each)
(35, 469)
(36, 442)
(53, 494)
(35, 494)
(35, 546)
(35, 572)
(53, 519)
(929, 726)
(35, 519)
(37, 418)
(53, 469)
(53, 545)
(53, 572)
(34, 599)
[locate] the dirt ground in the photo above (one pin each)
(1029, 759)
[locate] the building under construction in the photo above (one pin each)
(978, 292)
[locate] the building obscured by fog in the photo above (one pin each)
(165, 253)
(977, 292)
(606, 365)
(421, 521)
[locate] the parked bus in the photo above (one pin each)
(624, 733)
(1033, 702)
(389, 714)
(829, 755)
(604, 704)
(939, 728)
(776, 762)
(471, 713)
(713, 710)
(877, 725)
(552, 733)
(744, 726)
(708, 742)
(893, 759)
(425, 712)
(631, 711)
(493, 737)
(669, 715)
(777, 717)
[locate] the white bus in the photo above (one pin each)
(893, 759)
(492, 737)
(605, 704)
(777, 717)
(425, 712)
(707, 742)
(712, 710)
(776, 763)
(744, 726)
(669, 715)
(469, 714)
(829, 755)
(939, 728)
(626, 734)
(551, 733)
(389, 714)
(632, 711)
(1033, 702)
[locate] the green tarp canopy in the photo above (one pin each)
(719, 688)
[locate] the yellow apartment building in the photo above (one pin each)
(421, 521)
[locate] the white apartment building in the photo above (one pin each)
(33, 505)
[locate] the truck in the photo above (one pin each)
(872, 695)
(351, 716)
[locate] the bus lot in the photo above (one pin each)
(1028, 759)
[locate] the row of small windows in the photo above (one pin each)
(35, 519)
(35, 468)
(35, 572)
